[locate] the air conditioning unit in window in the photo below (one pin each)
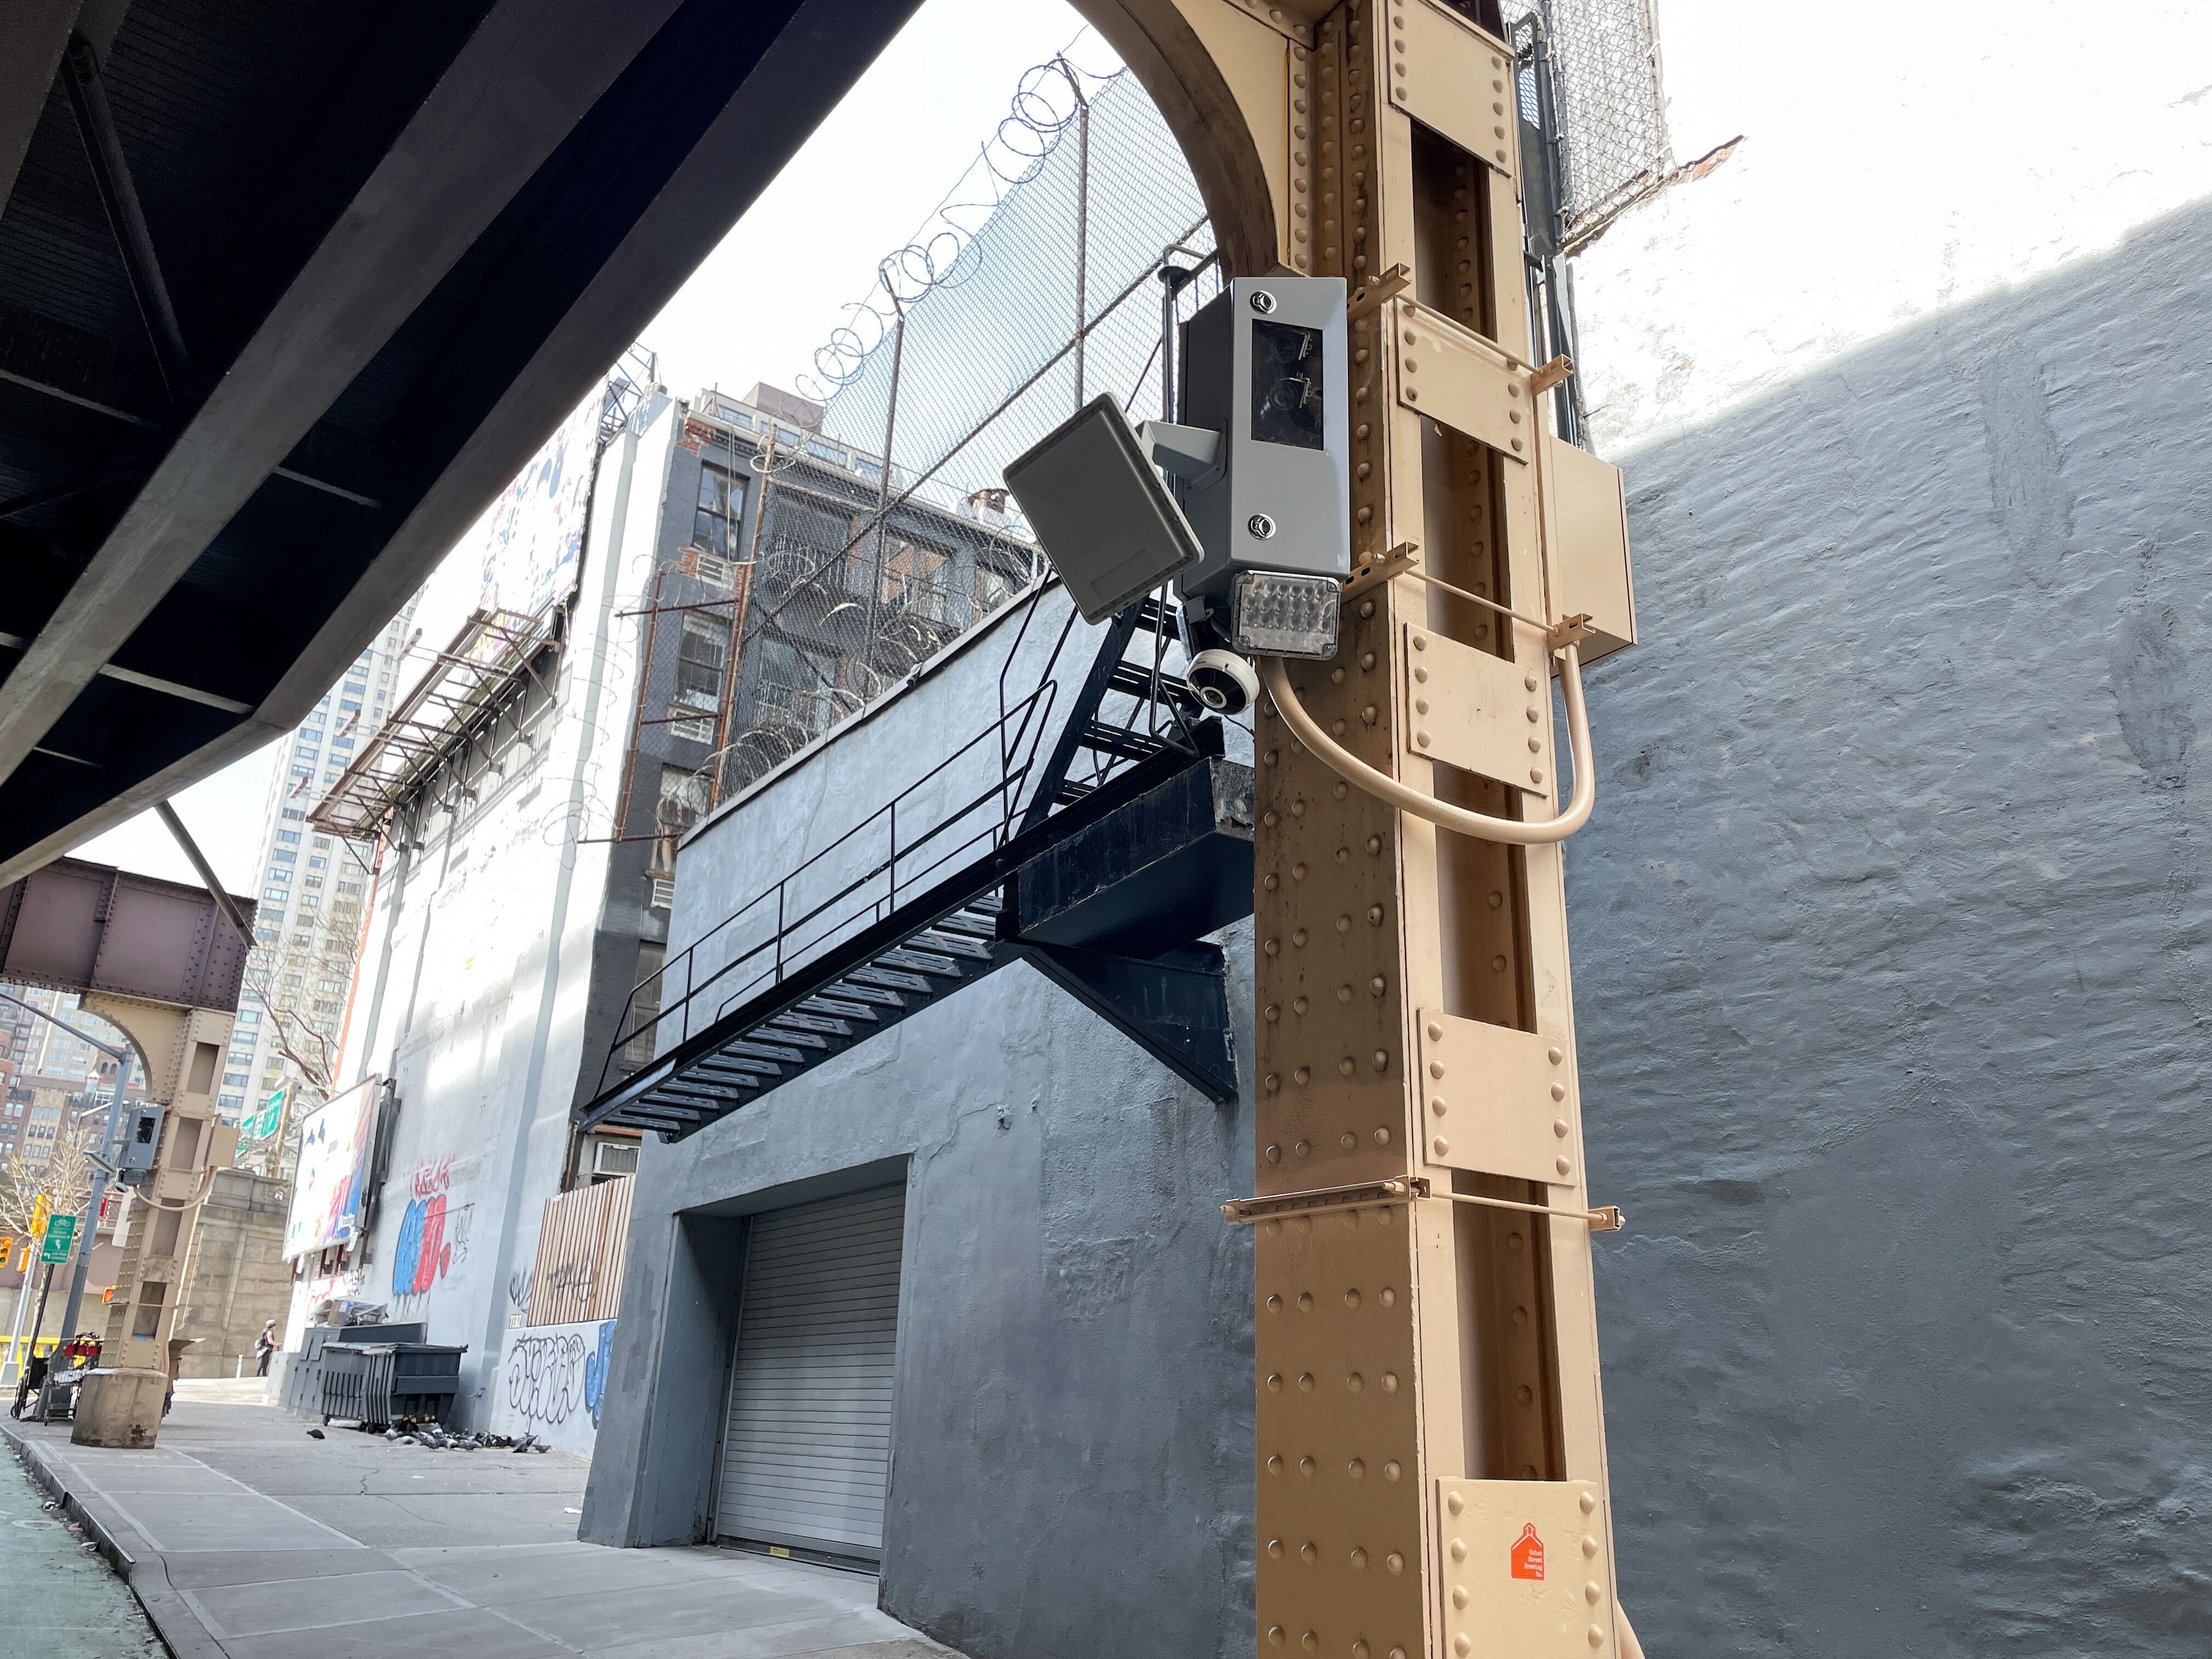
(610, 1158)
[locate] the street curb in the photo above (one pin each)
(173, 1619)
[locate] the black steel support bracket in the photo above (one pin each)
(1175, 1008)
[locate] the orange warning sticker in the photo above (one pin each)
(1528, 1553)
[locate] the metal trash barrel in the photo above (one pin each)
(377, 1383)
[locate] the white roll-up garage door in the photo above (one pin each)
(806, 1449)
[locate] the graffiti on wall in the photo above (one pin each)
(551, 1375)
(595, 1371)
(433, 1233)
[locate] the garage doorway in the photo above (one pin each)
(807, 1437)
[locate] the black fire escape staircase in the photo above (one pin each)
(1101, 864)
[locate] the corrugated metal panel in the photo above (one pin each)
(581, 1241)
(806, 1449)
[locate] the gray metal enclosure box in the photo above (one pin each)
(1241, 375)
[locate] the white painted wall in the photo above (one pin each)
(1892, 168)
(476, 975)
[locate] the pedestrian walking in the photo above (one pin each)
(263, 1345)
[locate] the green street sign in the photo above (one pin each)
(259, 1125)
(61, 1233)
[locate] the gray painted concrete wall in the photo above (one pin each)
(1890, 944)
(1072, 1431)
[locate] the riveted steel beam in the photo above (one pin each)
(1432, 1477)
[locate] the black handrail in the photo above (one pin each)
(798, 940)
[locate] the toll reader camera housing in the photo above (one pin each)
(1264, 376)
(1099, 510)
(142, 1142)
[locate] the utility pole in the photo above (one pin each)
(102, 1166)
(124, 1059)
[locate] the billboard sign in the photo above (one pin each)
(530, 546)
(326, 1191)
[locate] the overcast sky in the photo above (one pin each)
(763, 301)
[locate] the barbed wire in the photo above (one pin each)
(1048, 100)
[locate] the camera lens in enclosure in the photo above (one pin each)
(1287, 387)
(1223, 681)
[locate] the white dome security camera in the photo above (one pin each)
(1223, 681)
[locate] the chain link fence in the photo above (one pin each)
(863, 527)
(1590, 83)
(882, 530)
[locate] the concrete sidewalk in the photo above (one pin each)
(244, 1537)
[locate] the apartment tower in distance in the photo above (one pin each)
(291, 1014)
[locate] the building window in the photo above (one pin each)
(913, 580)
(701, 661)
(718, 526)
(682, 800)
(644, 1005)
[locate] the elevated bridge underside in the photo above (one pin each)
(288, 292)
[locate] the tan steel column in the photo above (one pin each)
(1431, 1447)
(1431, 1441)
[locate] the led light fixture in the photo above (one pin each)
(1274, 614)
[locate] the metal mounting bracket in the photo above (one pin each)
(1244, 1212)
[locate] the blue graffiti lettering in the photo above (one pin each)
(407, 1253)
(595, 1371)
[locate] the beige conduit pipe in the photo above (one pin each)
(1480, 826)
